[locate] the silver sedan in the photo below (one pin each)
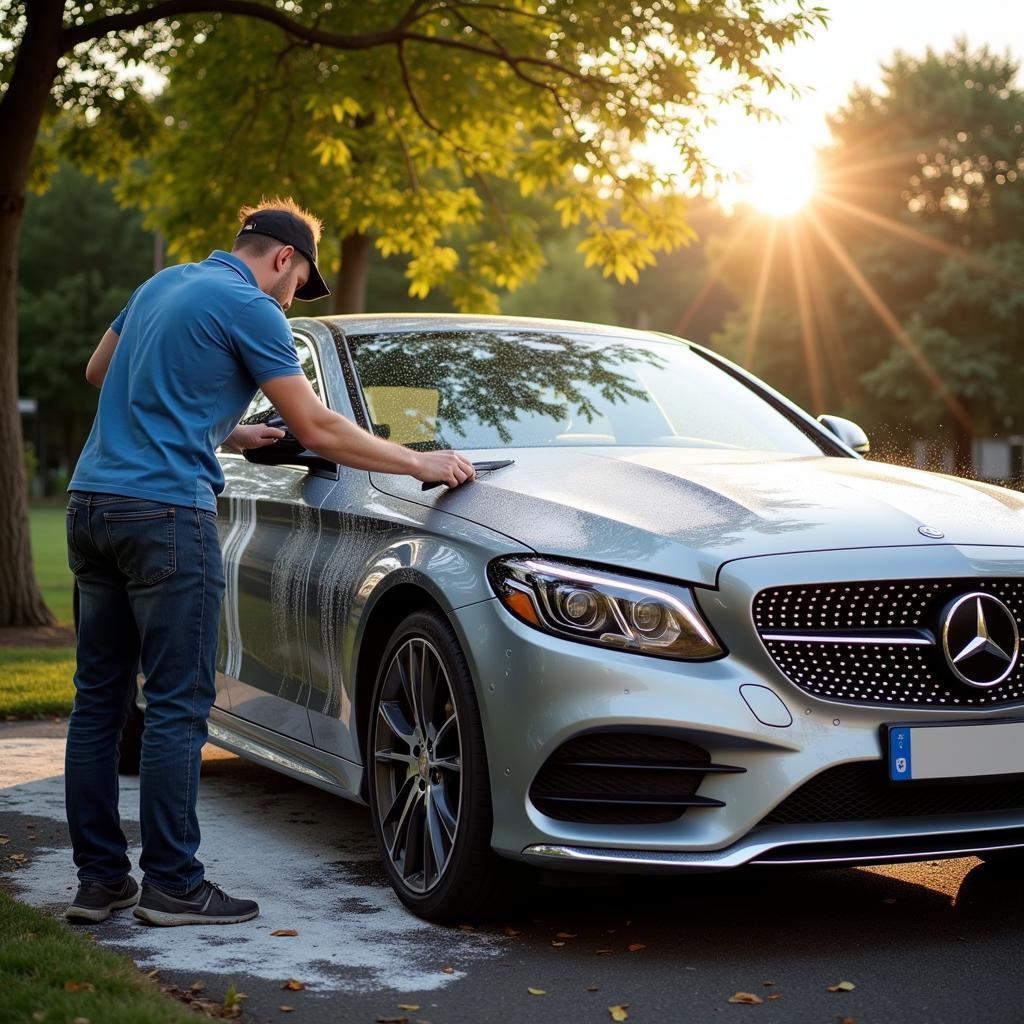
(675, 623)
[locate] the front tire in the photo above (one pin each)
(429, 785)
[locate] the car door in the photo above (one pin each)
(352, 530)
(269, 529)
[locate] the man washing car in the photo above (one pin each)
(178, 367)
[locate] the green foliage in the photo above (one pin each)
(81, 257)
(417, 142)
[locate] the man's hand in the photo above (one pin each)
(253, 435)
(448, 467)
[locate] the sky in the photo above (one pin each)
(862, 35)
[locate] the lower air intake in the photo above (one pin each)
(623, 779)
(861, 792)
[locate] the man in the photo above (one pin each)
(177, 368)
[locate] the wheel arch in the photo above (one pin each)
(389, 607)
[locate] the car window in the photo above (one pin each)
(260, 410)
(506, 388)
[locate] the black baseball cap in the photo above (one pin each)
(293, 231)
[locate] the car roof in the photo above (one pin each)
(400, 323)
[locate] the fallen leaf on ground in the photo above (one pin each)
(768, 984)
(566, 935)
(447, 970)
(467, 928)
(842, 986)
(153, 973)
(847, 1020)
(556, 943)
(635, 947)
(593, 988)
(293, 986)
(537, 991)
(604, 952)
(18, 858)
(287, 1009)
(512, 932)
(197, 986)
(4, 840)
(774, 996)
(79, 986)
(618, 1011)
(747, 998)
(411, 1007)
(392, 1020)
(284, 931)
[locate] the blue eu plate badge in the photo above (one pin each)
(899, 754)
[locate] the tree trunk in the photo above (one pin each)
(21, 112)
(350, 291)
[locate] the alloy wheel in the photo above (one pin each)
(418, 764)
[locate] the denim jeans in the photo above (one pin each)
(150, 584)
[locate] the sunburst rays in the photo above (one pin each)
(803, 236)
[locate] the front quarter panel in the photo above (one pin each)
(370, 545)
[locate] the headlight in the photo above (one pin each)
(603, 608)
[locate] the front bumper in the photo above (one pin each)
(537, 691)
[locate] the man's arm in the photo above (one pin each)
(96, 369)
(342, 441)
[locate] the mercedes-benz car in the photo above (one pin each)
(675, 624)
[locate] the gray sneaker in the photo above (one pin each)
(205, 904)
(94, 901)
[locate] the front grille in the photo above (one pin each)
(623, 779)
(861, 792)
(877, 642)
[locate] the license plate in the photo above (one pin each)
(955, 751)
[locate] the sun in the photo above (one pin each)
(780, 186)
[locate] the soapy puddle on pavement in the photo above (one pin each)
(309, 859)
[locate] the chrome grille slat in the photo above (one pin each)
(874, 642)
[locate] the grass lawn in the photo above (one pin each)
(49, 972)
(35, 682)
(50, 557)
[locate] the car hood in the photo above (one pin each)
(683, 513)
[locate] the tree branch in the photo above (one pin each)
(71, 37)
(75, 35)
(411, 93)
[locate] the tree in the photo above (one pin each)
(909, 260)
(603, 74)
(81, 257)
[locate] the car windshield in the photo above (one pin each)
(487, 388)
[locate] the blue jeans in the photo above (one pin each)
(150, 584)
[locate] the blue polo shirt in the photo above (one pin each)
(195, 342)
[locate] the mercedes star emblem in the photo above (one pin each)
(980, 639)
(931, 531)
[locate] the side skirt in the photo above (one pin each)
(290, 757)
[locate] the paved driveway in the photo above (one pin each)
(935, 942)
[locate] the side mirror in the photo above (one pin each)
(287, 451)
(848, 432)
